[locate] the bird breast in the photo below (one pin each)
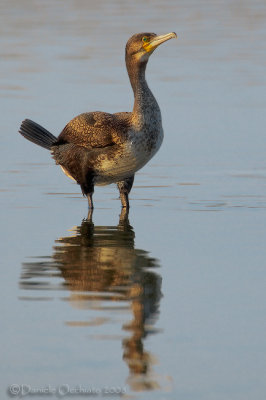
(123, 161)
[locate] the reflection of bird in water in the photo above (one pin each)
(98, 148)
(99, 264)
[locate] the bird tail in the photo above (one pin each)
(37, 134)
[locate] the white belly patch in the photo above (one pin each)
(67, 173)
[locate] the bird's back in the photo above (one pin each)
(95, 130)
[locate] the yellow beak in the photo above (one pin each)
(157, 40)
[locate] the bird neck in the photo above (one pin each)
(145, 104)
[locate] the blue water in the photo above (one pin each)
(168, 302)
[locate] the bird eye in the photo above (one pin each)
(145, 39)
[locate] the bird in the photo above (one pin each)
(98, 148)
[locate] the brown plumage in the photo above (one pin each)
(98, 148)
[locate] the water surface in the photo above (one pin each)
(168, 301)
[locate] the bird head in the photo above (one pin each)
(141, 45)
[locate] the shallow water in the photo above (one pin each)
(168, 302)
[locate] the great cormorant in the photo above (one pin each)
(97, 148)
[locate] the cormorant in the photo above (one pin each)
(97, 148)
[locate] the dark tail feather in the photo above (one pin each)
(37, 134)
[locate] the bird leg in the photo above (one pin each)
(87, 187)
(89, 216)
(124, 188)
(123, 218)
(90, 202)
(124, 224)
